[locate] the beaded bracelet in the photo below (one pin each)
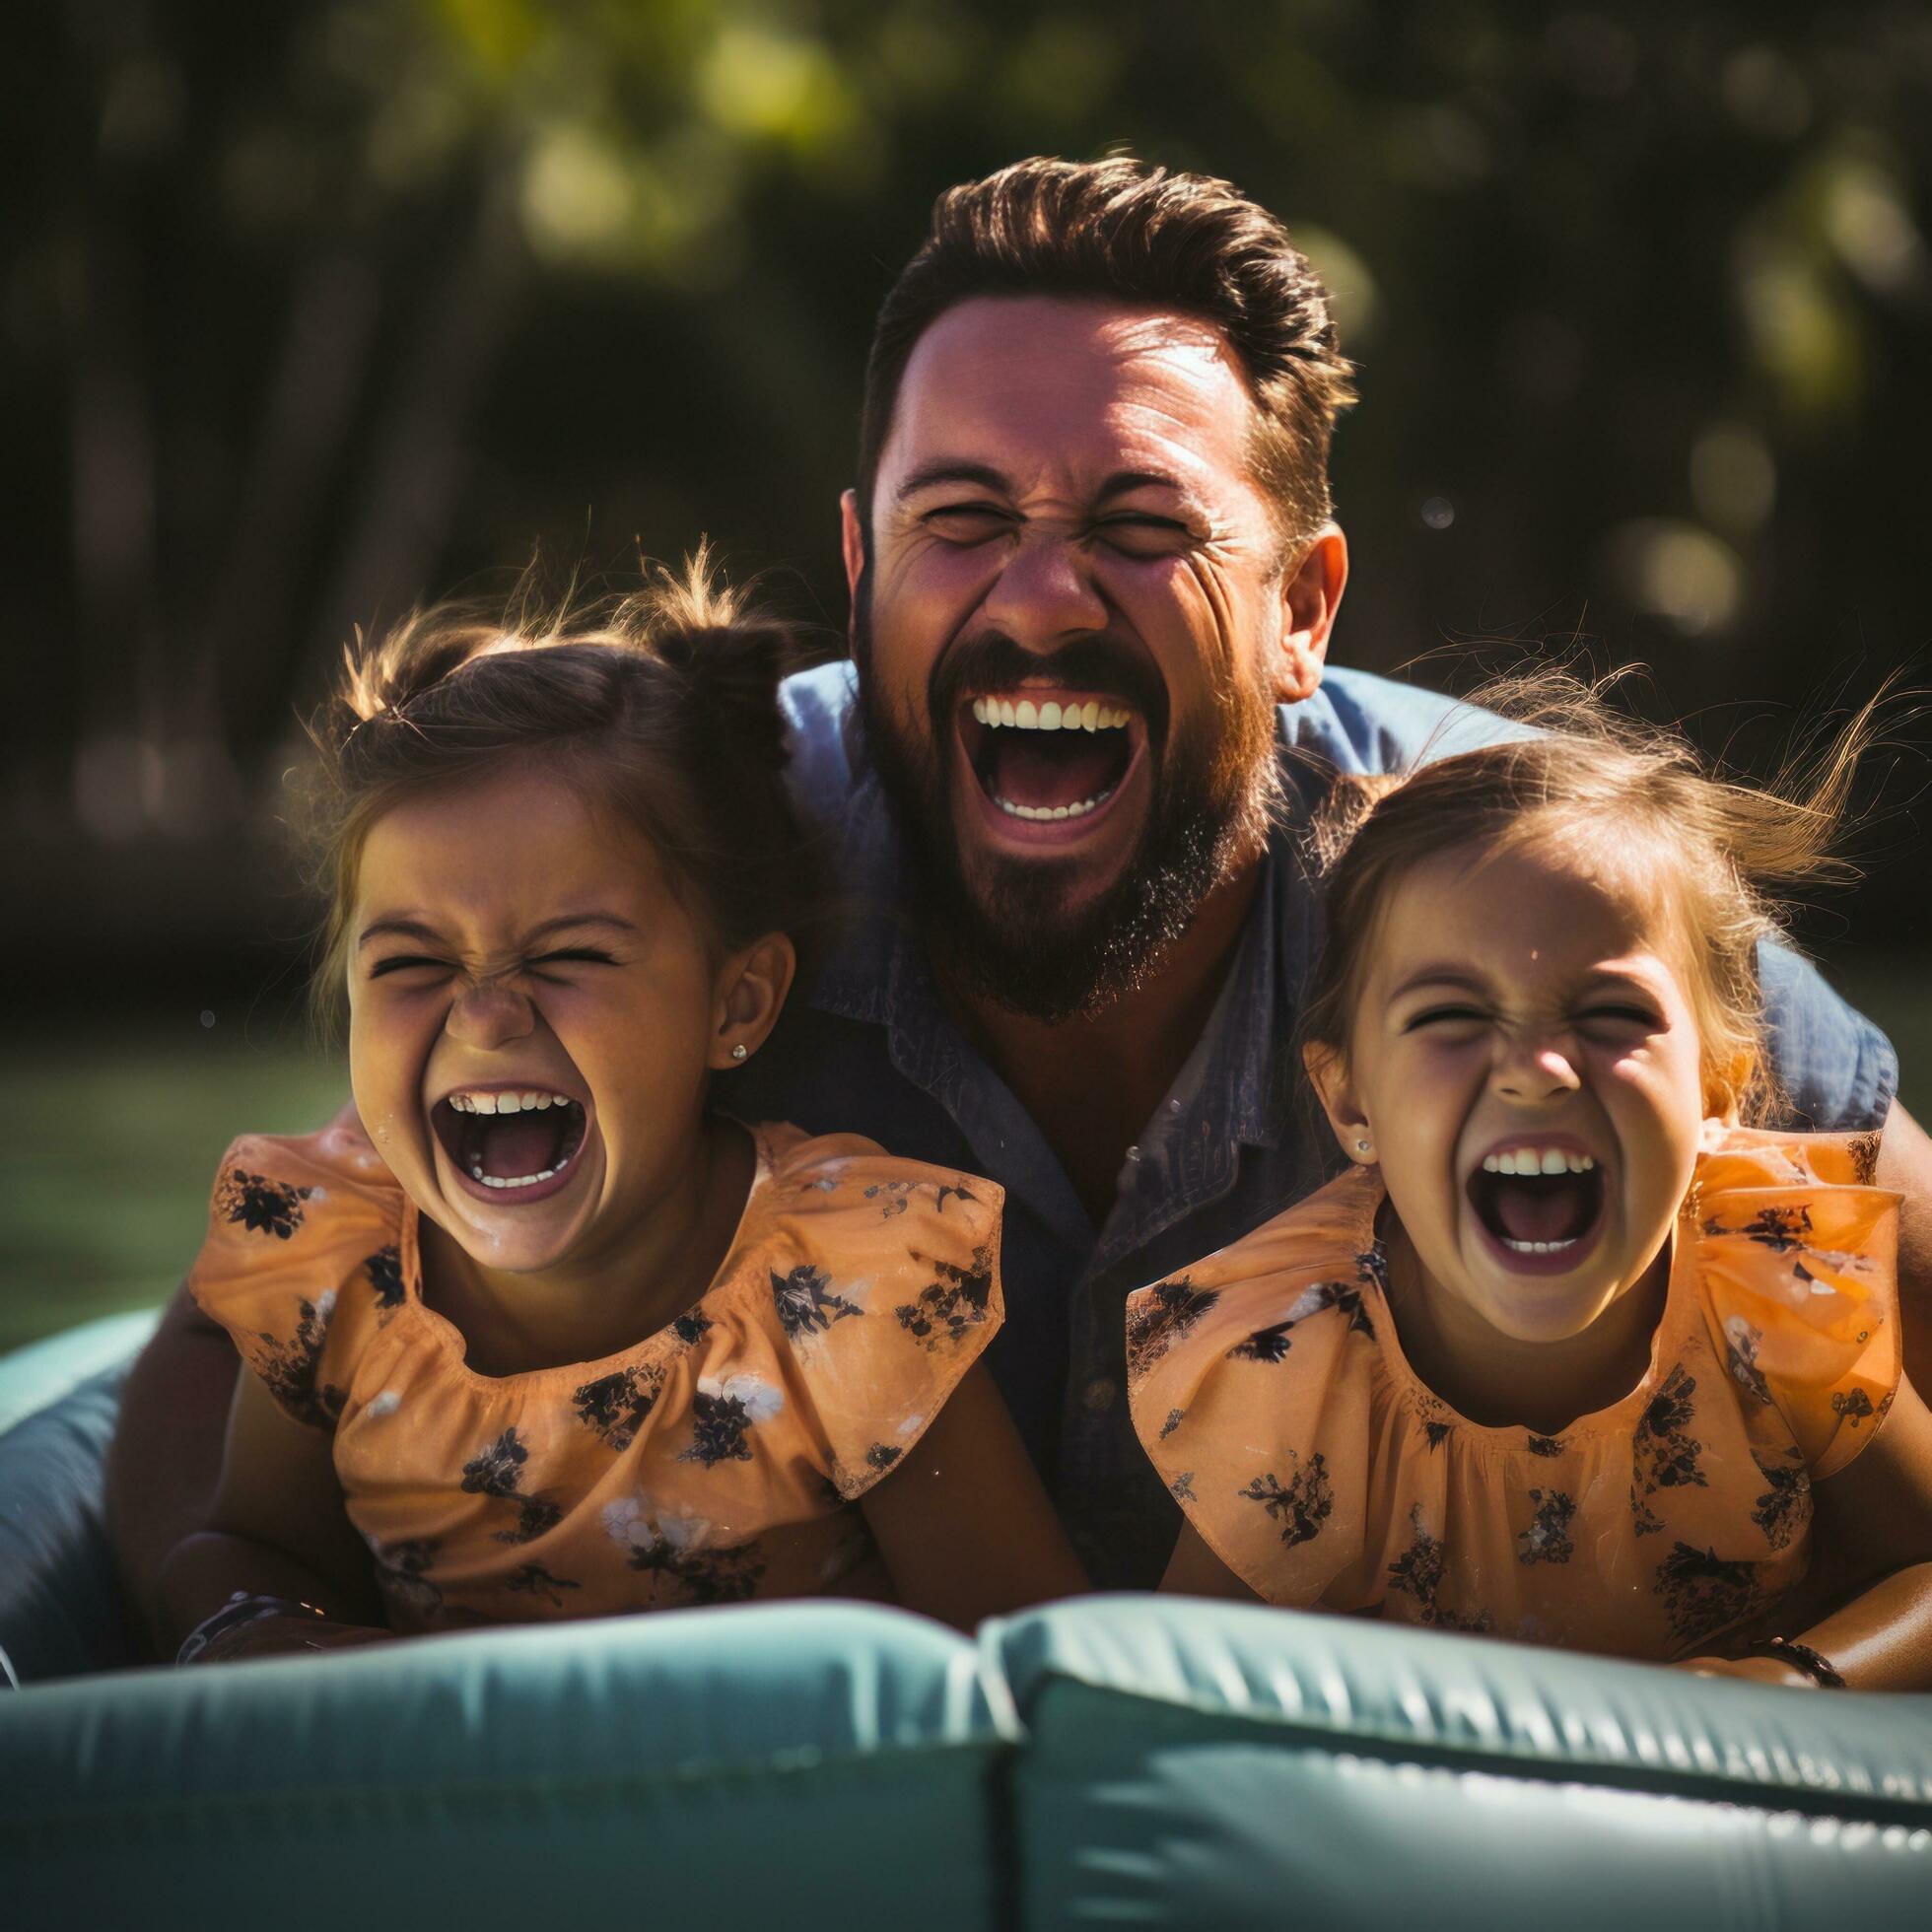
(1801, 1657)
(241, 1608)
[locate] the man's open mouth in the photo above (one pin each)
(1539, 1201)
(509, 1139)
(1050, 755)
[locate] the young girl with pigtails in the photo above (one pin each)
(1572, 1353)
(544, 1333)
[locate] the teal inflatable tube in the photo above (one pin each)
(1118, 1760)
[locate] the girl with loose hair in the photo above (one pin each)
(545, 1331)
(1578, 1350)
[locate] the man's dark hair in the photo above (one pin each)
(1120, 231)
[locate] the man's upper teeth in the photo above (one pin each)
(1026, 715)
(530, 1100)
(1536, 1160)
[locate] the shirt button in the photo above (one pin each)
(1134, 1154)
(1099, 1394)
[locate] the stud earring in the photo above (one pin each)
(739, 1051)
(1361, 1146)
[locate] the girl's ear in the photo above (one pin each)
(1725, 1087)
(750, 995)
(1328, 1075)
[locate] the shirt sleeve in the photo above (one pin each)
(885, 1282)
(302, 1263)
(1250, 1392)
(1838, 1071)
(1801, 1292)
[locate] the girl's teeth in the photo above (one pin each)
(517, 1180)
(1081, 810)
(1532, 1160)
(1538, 1247)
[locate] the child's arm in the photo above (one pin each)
(1194, 1570)
(276, 1528)
(1875, 1518)
(963, 1524)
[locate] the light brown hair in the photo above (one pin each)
(1120, 231)
(660, 707)
(1707, 853)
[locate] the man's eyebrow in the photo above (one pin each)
(1124, 482)
(982, 475)
(414, 928)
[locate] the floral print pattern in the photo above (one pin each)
(737, 1438)
(498, 1471)
(1301, 1507)
(1785, 1506)
(614, 1406)
(1546, 1540)
(1705, 1593)
(1166, 1312)
(1642, 1529)
(805, 1303)
(384, 1271)
(262, 1205)
(1662, 1453)
(291, 1369)
(953, 1305)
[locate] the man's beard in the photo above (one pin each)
(1008, 939)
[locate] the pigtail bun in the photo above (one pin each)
(661, 705)
(728, 661)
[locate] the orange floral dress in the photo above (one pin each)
(1269, 1386)
(720, 1459)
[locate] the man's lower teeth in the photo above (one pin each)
(1081, 810)
(1540, 1247)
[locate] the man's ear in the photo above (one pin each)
(852, 540)
(1311, 594)
(1328, 1075)
(751, 986)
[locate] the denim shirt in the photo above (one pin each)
(867, 1049)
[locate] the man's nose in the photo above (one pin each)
(1535, 1067)
(490, 1013)
(1044, 593)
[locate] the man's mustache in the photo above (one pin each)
(992, 661)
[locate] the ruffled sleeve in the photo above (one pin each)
(1251, 1383)
(880, 1286)
(304, 1262)
(1798, 1265)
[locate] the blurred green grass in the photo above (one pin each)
(109, 1140)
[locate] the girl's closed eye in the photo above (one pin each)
(1460, 1013)
(407, 962)
(571, 956)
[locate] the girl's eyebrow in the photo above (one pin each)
(414, 928)
(1440, 976)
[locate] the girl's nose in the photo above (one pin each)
(490, 1013)
(1044, 594)
(1536, 1069)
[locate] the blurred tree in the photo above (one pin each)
(316, 309)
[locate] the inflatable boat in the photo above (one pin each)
(1120, 1760)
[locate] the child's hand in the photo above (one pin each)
(282, 1636)
(1759, 1670)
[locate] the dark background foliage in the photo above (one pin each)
(314, 309)
(317, 308)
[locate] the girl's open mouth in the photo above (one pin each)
(1055, 758)
(1542, 1206)
(510, 1145)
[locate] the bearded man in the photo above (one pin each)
(1095, 570)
